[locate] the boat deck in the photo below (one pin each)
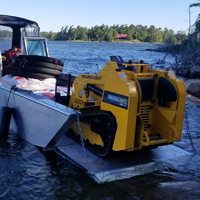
(124, 165)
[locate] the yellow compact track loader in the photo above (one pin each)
(128, 106)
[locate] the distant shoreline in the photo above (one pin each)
(103, 41)
(134, 42)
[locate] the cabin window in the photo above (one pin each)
(36, 47)
(5, 38)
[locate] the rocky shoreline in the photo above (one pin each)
(192, 78)
(193, 87)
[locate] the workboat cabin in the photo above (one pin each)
(27, 59)
(25, 38)
(127, 107)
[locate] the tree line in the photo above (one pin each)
(5, 34)
(108, 33)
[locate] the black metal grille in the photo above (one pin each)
(144, 114)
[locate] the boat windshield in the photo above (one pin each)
(36, 46)
(30, 30)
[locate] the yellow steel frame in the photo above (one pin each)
(131, 134)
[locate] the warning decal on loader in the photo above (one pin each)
(115, 99)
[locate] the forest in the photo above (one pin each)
(106, 33)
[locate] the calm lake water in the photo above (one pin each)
(27, 172)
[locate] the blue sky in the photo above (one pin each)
(53, 14)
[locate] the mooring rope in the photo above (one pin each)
(22, 63)
(12, 88)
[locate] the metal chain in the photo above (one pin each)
(82, 142)
(188, 131)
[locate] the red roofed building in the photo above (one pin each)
(121, 36)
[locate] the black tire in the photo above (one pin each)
(32, 74)
(40, 58)
(40, 70)
(39, 64)
(39, 67)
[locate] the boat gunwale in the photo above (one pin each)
(37, 100)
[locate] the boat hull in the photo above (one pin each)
(37, 119)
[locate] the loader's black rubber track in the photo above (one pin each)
(107, 130)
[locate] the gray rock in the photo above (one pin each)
(195, 72)
(185, 71)
(193, 87)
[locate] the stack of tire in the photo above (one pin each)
(38, 67)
